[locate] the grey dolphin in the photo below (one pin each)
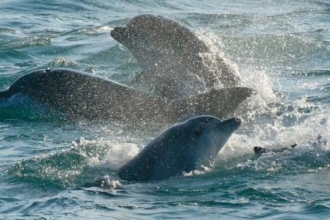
(79, 95)
(187, 146)
(170, 52)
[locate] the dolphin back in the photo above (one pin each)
(218, 102)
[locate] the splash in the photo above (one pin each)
(271, 120)
(257, 79)
(84, 163)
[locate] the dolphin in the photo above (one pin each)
(80, 95)
(184, 147)
(171, 57)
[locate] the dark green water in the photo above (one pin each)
(281, 49)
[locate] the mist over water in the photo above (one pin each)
(279, 48)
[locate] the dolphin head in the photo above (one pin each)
(151, 37)
(184, 147)
(166, 48)
(208, 135)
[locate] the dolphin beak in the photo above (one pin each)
(119, 34)
(232, 123)
(237, 120)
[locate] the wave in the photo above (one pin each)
(85, 163)
(312, 72)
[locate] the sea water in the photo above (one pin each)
(280, 48)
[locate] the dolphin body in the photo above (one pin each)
(184, 147)
(76, 95)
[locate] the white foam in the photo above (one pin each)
(250, 77)
(107, 153)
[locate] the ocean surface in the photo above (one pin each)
(281, 48)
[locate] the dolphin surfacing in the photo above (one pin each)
(184, 147)
(77, 95)
(169, 52)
